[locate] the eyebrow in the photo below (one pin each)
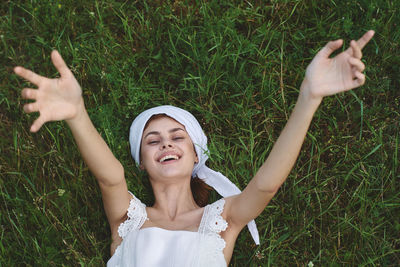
(158, 133)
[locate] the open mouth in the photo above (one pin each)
(169, 158)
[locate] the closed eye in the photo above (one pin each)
(153, 142)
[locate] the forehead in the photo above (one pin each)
(161, 122)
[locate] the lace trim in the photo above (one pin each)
(136, 217)
(212, 224)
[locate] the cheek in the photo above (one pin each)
(145, 154)
(190, 148)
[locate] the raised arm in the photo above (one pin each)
(61, 99)
(324, 76)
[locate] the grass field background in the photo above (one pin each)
(237, 66)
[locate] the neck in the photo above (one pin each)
(173, 199)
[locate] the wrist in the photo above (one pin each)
(79, 114)
(306, 95)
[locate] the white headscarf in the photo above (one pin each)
(214, 179)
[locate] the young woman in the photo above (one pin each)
(169, 144)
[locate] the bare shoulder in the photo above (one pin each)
(227, 214)
(115, 237)
(231, 233)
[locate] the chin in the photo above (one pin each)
(168, 174)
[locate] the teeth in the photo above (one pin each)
(168, 157)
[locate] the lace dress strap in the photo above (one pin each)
(136, 217)
(212, 223)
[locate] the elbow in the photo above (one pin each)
(269, 188)
(115, 177)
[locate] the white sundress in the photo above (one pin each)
(157, 247)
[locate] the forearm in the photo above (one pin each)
(285, 151)
(95, 152)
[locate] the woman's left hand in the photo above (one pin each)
(328, 76)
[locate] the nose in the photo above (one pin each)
(165, 144)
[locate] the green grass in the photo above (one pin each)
(237, 66)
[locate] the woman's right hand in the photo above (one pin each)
(55, 99)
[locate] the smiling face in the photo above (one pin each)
(166, 149)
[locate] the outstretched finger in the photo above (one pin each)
(31, 107)
(29, 75)
(330, 47)
(29, 93)
(365, 39)
(37, 124)
(59, 63)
